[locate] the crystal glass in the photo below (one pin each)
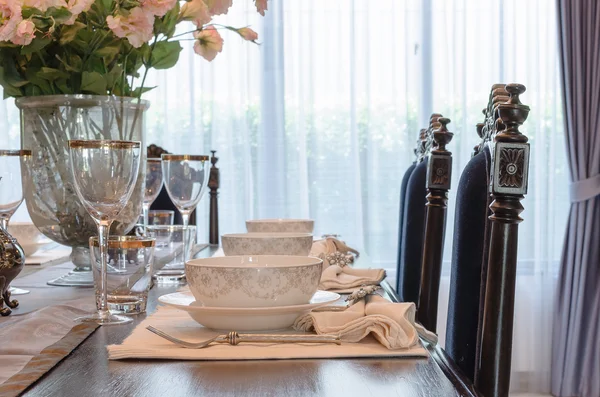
(11, 190)
(186, 178)
(104, 175)
(48, 122)
(128, 273)
(161, 217)
(154, 182)
(174, 245)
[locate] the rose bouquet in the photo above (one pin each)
(102, 47)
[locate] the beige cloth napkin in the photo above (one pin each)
(348, 278)
(392, 324)
(143, 344)
(34, 342)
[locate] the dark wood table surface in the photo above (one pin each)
(88, 372)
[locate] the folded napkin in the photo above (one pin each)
(35, 342)
(143, 344)
(346, 278)
(392, 324)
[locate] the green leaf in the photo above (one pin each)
(64, 87)
(9, 89)
(167, 24)
(165, 54)
(51, 74)
(37, 44)
(74, 65)
(33, 90)
(108, 5)
(60, 14)
(140, 90)
(93, 82)
(69, 32)
(109, 52)
(28, 12)
(113, 76)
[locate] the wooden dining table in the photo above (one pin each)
(88, 372)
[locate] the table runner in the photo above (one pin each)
(146, 345)
(34, 343)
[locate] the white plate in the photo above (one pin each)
(245, 318)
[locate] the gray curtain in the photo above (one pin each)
(576, 337)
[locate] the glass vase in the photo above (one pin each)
(47, 124)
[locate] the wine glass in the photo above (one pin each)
(11, 191)
(154, 182)
(104, 174)
(185, 177)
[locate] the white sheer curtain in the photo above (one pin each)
(320, 121)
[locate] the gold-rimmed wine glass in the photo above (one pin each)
(104, 174)
(11, 190)
(154, 182)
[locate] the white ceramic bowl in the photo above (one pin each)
(28, 236)
(253, 281)
(280, 226)
(267, 244)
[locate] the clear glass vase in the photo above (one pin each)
(47, 124)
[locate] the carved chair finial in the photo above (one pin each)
(512, 114)
(442, 136)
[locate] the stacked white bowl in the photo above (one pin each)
(266, 267)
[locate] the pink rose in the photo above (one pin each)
(195, 11)
(261, 6)
(77, 7)
(136, 27)
(217, 7)
(248, 34)
(25, 33)
(10, 18)
(208, 43)
(158, 7)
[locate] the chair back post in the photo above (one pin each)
(508, 185)
(439, 173)
(213, 185)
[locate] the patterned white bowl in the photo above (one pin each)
(280, 226)
(267, 244)
(28, 236)
(253, 281)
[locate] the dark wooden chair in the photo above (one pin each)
(412, 219)
(439, 175)
(163, 201)
(482, 288)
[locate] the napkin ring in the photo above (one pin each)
(361, 293)
(339, 258)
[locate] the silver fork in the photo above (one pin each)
(233, 338)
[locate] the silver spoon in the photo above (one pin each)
(233, 338)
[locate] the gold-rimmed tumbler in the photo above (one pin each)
(129, 271)
(104, 174)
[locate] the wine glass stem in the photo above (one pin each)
(146, 208)
(103, 228)
(4, 222)
(185, 217)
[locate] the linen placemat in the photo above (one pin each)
(34, 343)
(143, 344)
